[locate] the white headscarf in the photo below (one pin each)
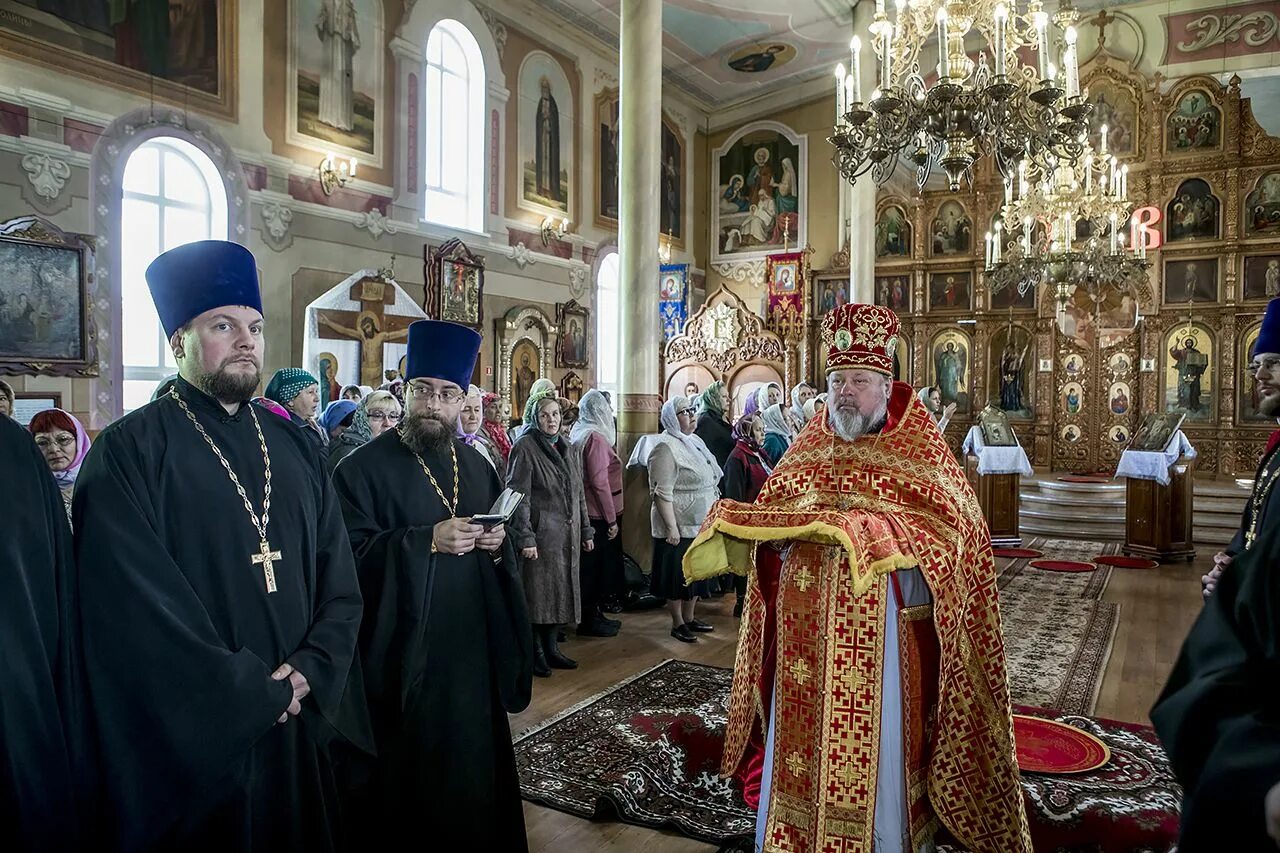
(594, 415)
(671, 433)
(797, 408)
(775, 422)
(762, 395)
(811, 407)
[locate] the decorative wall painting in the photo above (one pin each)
(757, 58)
(673, 298)
(1192, 213)
(45, 321)
(571, 387)
(545, 135)
(671, 170)
(893, 233)
(1007, 298)
(951, 290)
(671, 184)
(786, 287)
(1156, 431)
(574, 322)
(1115, 108)
(1070, 433)
(1194, 125)
(1009, 371)
(760, 204)
(949, 355)
(1262, 207)
(180, 52)
(326, 370)
(608, 147)
(1188, 385)
(1191, 280)
(1261, 277)
(894, 292)
(455, 284)
(951, 232)
(335, 72)
(829, 293)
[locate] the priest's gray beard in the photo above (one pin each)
(852, 425)
(425, 433)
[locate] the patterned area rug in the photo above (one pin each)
(647, 751)
(1057, 633)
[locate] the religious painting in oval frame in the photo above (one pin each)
(1192, 213)
(950, 360)
(1194, 125)
(1120, 398)
(1262, 207)
(1009, 372)
(1072, 399)
(1188, 377)
(1119, 434)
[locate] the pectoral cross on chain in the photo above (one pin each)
(265, 557)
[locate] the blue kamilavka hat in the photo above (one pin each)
(193, 278)
(1269, 334)
(442, 350)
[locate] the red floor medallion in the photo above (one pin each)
(1121, 562)
(1017, 553)
(1062, 565)
(1048, 746)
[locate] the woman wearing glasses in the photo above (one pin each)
(63, 441)
(376, 413)
(683, 480)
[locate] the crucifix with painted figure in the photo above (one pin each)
(370, 328)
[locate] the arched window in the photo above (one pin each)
(454, 128)
(173, 195)
(607, 332)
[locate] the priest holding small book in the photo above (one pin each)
(445, 641)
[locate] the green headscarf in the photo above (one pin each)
(712, 400)
(531, 407)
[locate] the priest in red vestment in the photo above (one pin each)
(870, 704)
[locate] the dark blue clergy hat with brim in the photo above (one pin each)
(196, 277)
(1269, 334)
(442, 350)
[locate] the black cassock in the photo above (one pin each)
(181, 636)
(39, 713)
(1266, 504)
(446, 649)
(1219, 714)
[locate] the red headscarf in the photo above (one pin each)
(496, 431)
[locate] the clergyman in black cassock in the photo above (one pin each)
(1219, 714)
(445, 642)
(198, 648)
(39, 708)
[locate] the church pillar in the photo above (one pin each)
(640, 118)
(862, 195)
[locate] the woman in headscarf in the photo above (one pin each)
(471, 431)
(683, 480)
(713, 422)
(765, 396)
(493, 426)
(336, 418)
(568, 415)
(777, 434)
(815, 407)
(932, 399)
(801, 394)
(550, 527)
(377, 412)
(352, 393)
(299, 392)
(601, 575)
(63, 442)
(744, 476)
(540, 388)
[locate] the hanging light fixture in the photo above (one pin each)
(974, 107)
(1063, 225)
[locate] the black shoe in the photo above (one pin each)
(617, 623)
(599, 628)
(540, 667)
(683, 634)
(558, 661)
(699, 626)
(612, 607)
(561, 636)
(737, 609)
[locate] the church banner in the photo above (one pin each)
(786, 276)
(673, 298)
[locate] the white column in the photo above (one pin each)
(862, 195)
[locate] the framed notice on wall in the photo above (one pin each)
(27, 405)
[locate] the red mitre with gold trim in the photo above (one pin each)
(861, 337)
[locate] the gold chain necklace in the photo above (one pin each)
(452, 507)
(265, 556)
(1261, 489)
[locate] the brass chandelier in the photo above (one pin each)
(1063, 225)
(974, 107)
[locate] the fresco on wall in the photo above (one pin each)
(182, 44)
(671, 171)
(759, 186)
(546, 135)
(336, 68)
(893, 233)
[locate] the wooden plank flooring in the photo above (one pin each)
(1157, 608)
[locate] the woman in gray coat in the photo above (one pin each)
(549, 527)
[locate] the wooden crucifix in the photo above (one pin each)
(370, 328)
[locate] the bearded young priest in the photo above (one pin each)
(220, 606)
(871, 609)
(446, 642)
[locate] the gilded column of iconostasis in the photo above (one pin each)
(1075, 378)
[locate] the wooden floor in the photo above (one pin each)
(1157, 608)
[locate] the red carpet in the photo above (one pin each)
(1062, 566)
(1120, 562)
(647, 752)
(1047, 746)
(1017, 553)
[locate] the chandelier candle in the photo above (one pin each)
(1071, 67)
(841, 108)
(1041, 21)
(855, 48)
(1001, 21)
(944, 63)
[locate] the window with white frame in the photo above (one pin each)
(607, 331)
(173, 195)
(453, 124)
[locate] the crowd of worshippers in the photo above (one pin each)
(204, 668)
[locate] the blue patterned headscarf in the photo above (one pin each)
(288, 383)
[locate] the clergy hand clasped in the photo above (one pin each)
(459, 536)
(301, 689)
